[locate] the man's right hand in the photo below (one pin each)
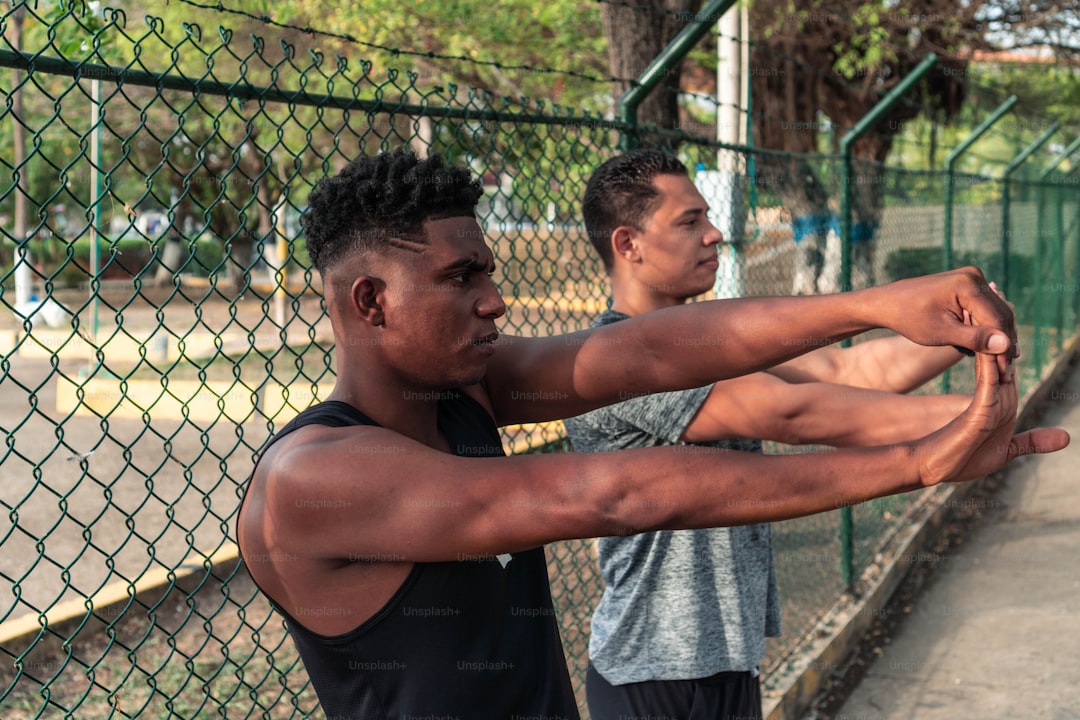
(930, 311)
(981, 441)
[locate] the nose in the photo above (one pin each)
(490, 304)
(713, 236)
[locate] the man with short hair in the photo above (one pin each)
(680, 628)
(406, 553)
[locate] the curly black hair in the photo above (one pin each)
(378, 200)
(621, 192)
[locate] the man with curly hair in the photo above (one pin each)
(680, 628)
(406, 553)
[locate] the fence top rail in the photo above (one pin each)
(246, 91)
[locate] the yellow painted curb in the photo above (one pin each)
(116, 346)
(135, 398)
(212, 401)
(567, 304)
(523, 438)
(283, 403)
(124, 348)
(121, 591)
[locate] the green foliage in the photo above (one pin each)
(67, 264)
(81, 37)
(1045, 91)
(498, 38)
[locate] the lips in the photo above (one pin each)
(487, 341)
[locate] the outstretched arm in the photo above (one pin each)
(534, 379)
(764, 406)
(892, 364)
(411, 503)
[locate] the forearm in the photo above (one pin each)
(447, 508)
(855, 417)
(692, 346)
(893, 364)
(696, 489)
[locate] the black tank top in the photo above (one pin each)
(464, 640)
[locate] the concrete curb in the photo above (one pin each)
(845, 623)
(212, 401)
(71, 616)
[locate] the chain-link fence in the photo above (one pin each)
(159, 319)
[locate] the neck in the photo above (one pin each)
(632, 298)
(411, 411)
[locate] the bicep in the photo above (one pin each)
(379, 494)
(538, 379)
(533, 379)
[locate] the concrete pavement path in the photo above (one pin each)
(996, 633)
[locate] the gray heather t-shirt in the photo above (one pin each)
(678, 604)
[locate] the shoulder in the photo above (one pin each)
(317, 452)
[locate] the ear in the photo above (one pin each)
(624, 245)
(365, 299)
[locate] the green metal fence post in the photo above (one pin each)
(1058, 261)
(950, 165)
(1005, 180)
(1076, 222)
(847, 526)
(676, 50)
(950, 180)
(847, 144)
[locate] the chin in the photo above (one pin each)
(465, 377)
(691, 293)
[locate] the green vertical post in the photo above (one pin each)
(950, 166)
(676, 50)
(1038, 358)
(950, 182)
(1015, 163)
(847, 547)
(1058, 246)
(847, 143)
(1076, 214)
(1059, 265)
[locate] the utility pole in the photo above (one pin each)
(728, 181)
(23, 277)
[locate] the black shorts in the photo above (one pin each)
(723, 696)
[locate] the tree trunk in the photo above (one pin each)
(636, 33)
(785, 118)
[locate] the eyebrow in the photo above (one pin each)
(692, 211)
(468, 263)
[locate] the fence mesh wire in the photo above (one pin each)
(159, 319)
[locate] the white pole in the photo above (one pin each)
(95, 205)
(278, 267)
(24, 284)
(728, 197)
(744, 95)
